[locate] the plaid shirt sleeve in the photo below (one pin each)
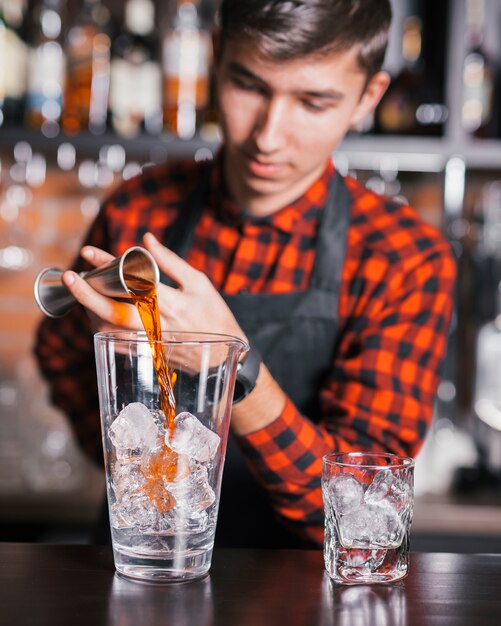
(395, 315)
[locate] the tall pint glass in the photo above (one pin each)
(163, 471)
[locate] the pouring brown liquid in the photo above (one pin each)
(150, 317)
(166, 465)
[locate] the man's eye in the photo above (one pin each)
(313, 106)
(244, 84)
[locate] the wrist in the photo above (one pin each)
(259, 408)
(247, 374)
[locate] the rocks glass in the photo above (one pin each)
(163, 479)
(368, 501)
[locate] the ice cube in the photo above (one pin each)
(159, 494)
(159, 417)
(371, 527)
(393, 532)
(356, 528)
(128, 479)
(390, 489)
(189, 436)
(134, 430)
(193, 494)
(136, 511)
(347, 493)
(180, 522)
(165, 464)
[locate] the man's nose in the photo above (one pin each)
(271, 126)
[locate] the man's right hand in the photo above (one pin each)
(106, 314)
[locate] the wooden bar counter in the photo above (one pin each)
(60, 585)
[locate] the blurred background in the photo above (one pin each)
(92, 91)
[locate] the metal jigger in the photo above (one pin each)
(134, 272)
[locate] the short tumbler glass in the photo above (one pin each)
(368, 501)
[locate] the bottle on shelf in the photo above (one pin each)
(487, 400)
(135, 90)
(14, 61)
(88, 46)
(413, 104)
(46, 69)
(479, 73)
(186, 62)
(491, 217)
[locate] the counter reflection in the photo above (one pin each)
(363, 605)
(183, 604)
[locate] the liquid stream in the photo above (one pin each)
(166, 465)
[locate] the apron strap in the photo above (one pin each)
(332, 238)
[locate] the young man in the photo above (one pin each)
(345, 295)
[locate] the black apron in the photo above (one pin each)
(296, 334)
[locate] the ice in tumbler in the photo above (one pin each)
(368, 501)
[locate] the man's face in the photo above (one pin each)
(281, 121)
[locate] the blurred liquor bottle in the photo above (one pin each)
(487, 396)
(13, 60)
(479, 72)
(88, 49)
(136, 83)
(211, 130)
(186, 58)
(414, 104)
(46, 71)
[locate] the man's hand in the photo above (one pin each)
(194, 305)
(106, 314)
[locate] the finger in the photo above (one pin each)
(110, 311)
(169, 262)
(96, 256)
(171, 302)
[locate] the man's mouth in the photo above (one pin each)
(264, 168)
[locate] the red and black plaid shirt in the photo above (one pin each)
(394, 311)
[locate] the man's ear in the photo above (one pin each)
(374, 91)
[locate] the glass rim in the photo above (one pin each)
(342, 459)
(170, 337)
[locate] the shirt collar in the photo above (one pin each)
(286, 218)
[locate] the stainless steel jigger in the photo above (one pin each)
(135, 271)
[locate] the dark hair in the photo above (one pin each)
(287, 29)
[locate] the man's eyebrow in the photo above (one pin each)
(329, 94)
(238, 68)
